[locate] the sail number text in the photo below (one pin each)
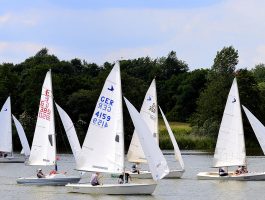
(102, 115)
(45, 111)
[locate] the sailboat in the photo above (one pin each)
(6, 146)
(43, 150)
(103, 148)
(149, 112)
(230, 147)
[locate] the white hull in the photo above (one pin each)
(118, 189)
(12, 160)
(55, 179)
(148, 175)
(252, 176)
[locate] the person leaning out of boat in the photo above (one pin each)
(95, 179)
(222, 172)
(127, 177)
(135, 168)
(40, 174)
(241, 170)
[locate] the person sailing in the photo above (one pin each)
(40, 174)
(95, 179)
(135, 168)
(122, 180)
(222, 172)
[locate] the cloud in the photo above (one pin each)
(16, 52)
(196, 33)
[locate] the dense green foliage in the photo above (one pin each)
(197, 96)
(77, 85)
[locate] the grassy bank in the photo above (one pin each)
(185, 139)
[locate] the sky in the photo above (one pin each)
(109, 30)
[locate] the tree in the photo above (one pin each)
(212, 100)
(259, 72)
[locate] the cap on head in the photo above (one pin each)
(39, 169)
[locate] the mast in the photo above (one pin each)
(53, 124)
(10, 117)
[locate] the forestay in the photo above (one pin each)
(22, 137)
(6, 127)
(173, 140)
(43, 151)
(103, 148)
(149, 114)
(257, 127)
(230, 147)
(70, 131)
(156, 161)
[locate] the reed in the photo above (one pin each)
(185, 138)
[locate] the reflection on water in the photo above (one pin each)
(186, 188)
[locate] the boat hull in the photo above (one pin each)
(113, 189)
(252, 176)
(12, 160)
(55, 179)
(147, 174)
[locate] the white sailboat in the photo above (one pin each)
(149, 113)
(103, 148)
(43, 151)
(230, 148)
(6, 144)
(70, 131)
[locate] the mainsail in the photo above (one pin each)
(230, 147)
(43, 150)
(149, 113)
(156, 161)
(103, 148)
(6, 127)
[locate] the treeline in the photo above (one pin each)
(196, 96)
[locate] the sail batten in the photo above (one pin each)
(230, 146)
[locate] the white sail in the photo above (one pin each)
(43, 150)
(156, 161)
(230, 147)
(257, 127)
(70, 131)
(6, 127)
(149, 113)
(173, 140)
(22, 137)
(103, 148)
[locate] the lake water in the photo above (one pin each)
(186, 188)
